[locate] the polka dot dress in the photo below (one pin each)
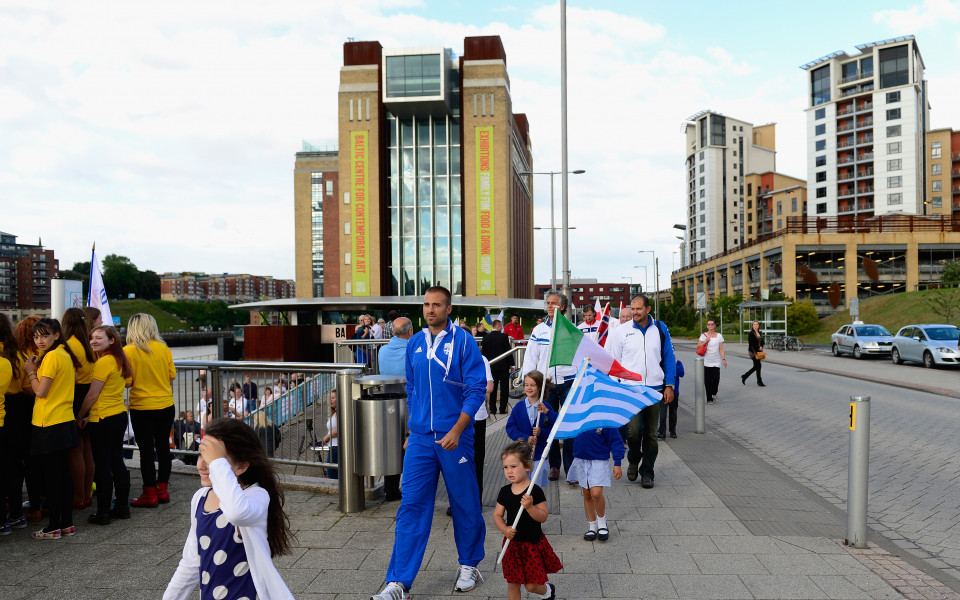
(224, 570)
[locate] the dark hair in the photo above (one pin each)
(442, 290)
(646, 301)
(52, 326)
(24, 334)
(588, 308)
(9, 341)
(544, 384)
(92, 313)
(393, 315)
(243, 445)
(116, 350)
(75, 325)
(521, 450)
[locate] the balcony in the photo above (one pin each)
(845, 160)
(845, 127)
(866, 156)
(956, 172)
(867, 139)
(865, 123)
(956, 156)
(956, 189)
(867, 189)
(865, 204)
(868, 172)
(856, 77)
(845, 192)
(846, 110)
(844, 144)
(846, 176)
(865, 106)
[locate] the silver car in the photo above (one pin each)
(859, 339)
(929, 344)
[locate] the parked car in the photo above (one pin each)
(929, 344)
(859, 339)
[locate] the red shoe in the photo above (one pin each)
(147, 500)
(162, 496)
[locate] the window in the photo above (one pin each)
(749, 189)
(793, 204)
(821, 208)
(938, 202)
(734, 205)
(703, 205)
(894, 68)
(734, 178)
(702, 180)
(893, 147)
(895, 198)
(821, 192)
(701, 168)
(821, 176)
(779, 223)
(749, 229)
(820, 85)
(702, 218)
(703, 243)
(935, 150)
(779, 207)
(702, 193)
(893, 165)
(734, 166)
(734, 152)
(749, 216)
(749, 203)
(820, 113)
(893, 97)
(703, 231)
(937, 186)
(718, 133)
(893, 131)
(821, 145)
(701, 155)
(893, 113)
(414, 75)
(820, 129)
(894, 182)
(821, 161)
(936, 169)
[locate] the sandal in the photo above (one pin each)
(43, 534)
(603, 534)
(590, 535)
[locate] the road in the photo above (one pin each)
(799, 424)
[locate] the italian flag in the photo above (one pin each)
(568, 346)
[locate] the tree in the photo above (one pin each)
(802, 318)
(946, 303)
(148, 285)
(120, 276)
(951, 272)
(727, 306)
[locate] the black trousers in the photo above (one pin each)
(668, 412)
(152, 430)
(501, 385)
(106, 439)
(58, 484)
(757, 365)
(558, 396)
(711, 381)
(19, 466)
(479, 450)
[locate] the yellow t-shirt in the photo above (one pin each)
(14, 385)
(110, 400)
(6, 376)
(85, 372)
(57, 406)
(152, 373)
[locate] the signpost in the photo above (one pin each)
(854, 308)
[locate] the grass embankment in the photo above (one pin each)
(127, 308)
(893, 311)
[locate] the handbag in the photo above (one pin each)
(702, 351)
(760, 355)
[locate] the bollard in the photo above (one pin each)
(700, 399)
(350, 490)
(858, 471)
(217, 395)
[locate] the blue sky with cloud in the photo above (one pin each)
(167, 133)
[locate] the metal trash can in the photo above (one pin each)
(380, 420)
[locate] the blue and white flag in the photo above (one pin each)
(97, 297)
(489, 318)
(599, 401)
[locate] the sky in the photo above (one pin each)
(167, 132)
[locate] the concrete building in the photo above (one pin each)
(866, 121)
(429, 190)
(720, 152)
(25, 274)
(228, 287)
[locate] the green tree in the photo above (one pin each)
(148, 285)
(946, 303)
(120, 276)
(951, 272)
(727, 306)
(802, 318)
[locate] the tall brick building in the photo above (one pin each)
(229, 287)
(25, 274)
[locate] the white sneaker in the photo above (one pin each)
(393, 591)
(467, 578)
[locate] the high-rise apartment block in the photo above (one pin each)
(25, 274)
(866, 120)
(721, 151)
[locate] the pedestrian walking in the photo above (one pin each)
(712, 360)
(529, 557)
(591, 469)
(754, 345)
(531, 421)
(237, 523)
(669, 412)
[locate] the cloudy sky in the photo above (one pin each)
(167, 131)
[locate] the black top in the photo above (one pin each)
(754, 342)
(528, 530)
(496, 343)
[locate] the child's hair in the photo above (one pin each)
(141, 330)
(75, 325)
(92, 313)
(521, 450)
(9, 341)
(116, 350)
(24, 335)
(243, 445)
(51, 326)
(537, 377)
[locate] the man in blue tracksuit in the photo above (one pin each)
(446, 385)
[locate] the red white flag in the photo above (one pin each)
(604, 326)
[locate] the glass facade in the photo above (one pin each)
(718, 130)
(316, 232)
(820, 85)
(827, 265)
(894, 67)
(426, 233)
(932, 260)
(414, 75)
(891, 268)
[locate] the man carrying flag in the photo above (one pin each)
(644, 346)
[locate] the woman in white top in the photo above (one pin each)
(332, 434)
(712, 359)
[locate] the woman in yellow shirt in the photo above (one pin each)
(9, 371)
(104, 415)
(151, 405)
(81, 458)
(19, 408)
(54, 430)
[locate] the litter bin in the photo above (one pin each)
(380, 420)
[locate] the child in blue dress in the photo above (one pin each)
(591, 469)
(521, 423)
(237, 523)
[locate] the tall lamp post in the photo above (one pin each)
(656, 283)
(553, 229)
(644, 267)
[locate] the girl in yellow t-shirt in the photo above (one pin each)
(151, 405)
(77, 334)
(9, 370)
(104, 415)
(19, 408)
(54, 430)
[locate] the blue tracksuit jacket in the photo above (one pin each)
(518, 426)
(599, 444)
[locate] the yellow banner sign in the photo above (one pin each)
(485, 236)
(360, 209)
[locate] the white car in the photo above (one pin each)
(929, 344)
(860, 339)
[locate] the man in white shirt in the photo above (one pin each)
(590, 323)
(377, 329)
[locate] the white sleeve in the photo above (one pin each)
(486, 365)
(187, 575)
(531, 357)
(244, 508)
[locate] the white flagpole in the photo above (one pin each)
(546, 449)
(553, 336)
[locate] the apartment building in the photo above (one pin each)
(228, 287)
(25, 274)
(943, 173)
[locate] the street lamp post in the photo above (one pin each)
(644, 277)
(553, 229)
(656, 283)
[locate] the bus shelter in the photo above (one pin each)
(772, 315)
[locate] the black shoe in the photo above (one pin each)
(761, 384)
(743, 379)
(660, 436)
(646, 482)
(673, 436)
(632, 471)
(590, 535)
(603, 534)
(392, 497)
(98, 519)
(553, 592)
(119, 512)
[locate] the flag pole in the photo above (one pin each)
(546, 449)
(553, 336)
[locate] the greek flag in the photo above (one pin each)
(599, 401)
